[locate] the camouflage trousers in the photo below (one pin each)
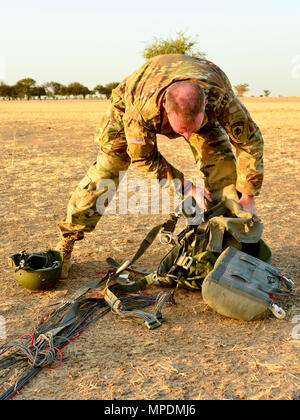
(213, 155)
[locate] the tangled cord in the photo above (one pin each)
(34, 351)
(127, 306)
(40, 353)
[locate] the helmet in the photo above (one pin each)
(37, 270)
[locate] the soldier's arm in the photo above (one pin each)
(245, 135)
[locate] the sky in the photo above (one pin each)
(98, 42)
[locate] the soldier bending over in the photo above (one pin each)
(170, 95)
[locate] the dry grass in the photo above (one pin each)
(196, 354)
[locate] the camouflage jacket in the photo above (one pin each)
(139, 99)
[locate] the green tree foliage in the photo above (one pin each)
(7, 91)
(54, 89)
(27, 88)
(107, 89)
(182, 44)
(77, 89)
(241, 89)
(24, 87)
(38, 91)
(267, 92)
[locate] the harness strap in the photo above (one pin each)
(149, 239)
(115, 264)
(168, 228)
(119, 307)
(70, 316)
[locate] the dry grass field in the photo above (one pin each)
(46, 148)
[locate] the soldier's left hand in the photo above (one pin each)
(199, 194)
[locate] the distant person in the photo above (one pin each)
(170, 95)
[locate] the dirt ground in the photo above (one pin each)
(46, 148)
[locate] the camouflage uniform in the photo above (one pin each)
(127, 135)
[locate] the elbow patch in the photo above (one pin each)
(238, 130)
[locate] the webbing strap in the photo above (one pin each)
(80, 292)
(75, 305)
(115, 264)
(216, 235)
(149, 239)
(169, 227)
(67, 319)
(145, 318)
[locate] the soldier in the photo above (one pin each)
(170, 95)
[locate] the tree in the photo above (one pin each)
(107, 89)
(24, 87)
(101, 90)
(77, 89)
(241, 89)
(182, 44)
(38, 91)
(54, 89)
(3, 90)
(7, 91)
(267, 92)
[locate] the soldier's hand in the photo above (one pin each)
(248, 203)
(198, 193)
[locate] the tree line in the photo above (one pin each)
(182, 44)
(28, 88)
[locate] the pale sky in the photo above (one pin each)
(97, 42)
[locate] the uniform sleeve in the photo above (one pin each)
(144, 154)
(248, 142)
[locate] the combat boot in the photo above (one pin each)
(65, 245)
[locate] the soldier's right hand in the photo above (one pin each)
(199, 194)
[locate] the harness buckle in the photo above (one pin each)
(277, 311)
(165, 238)
(152, 278)
(123, 279)
(289, 284)
(168, 229)
(187, 263)
(154, 323)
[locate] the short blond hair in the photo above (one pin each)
(186, 99)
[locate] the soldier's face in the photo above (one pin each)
(183, 129)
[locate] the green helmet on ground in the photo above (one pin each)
(37, 270)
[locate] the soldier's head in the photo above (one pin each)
(185, 105)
